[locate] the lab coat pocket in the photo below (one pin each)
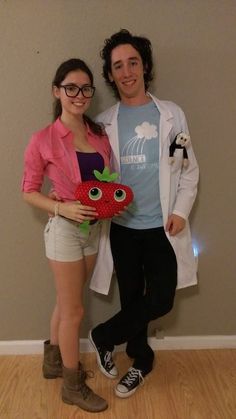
(182, 245)
(177, 163)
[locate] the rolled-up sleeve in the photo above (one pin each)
(34, 167)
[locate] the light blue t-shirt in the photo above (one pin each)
(138, 129)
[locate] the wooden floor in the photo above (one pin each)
(198, 384)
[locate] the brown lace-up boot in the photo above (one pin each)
(75, 391)
(52, 362)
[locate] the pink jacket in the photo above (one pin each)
(51, 153)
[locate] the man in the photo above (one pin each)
(150, 242)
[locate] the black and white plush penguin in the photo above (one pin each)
(181, 141)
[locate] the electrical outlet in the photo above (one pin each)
(159, 333)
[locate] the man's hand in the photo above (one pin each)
(121, 212)
(175, 224)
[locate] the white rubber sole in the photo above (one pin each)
(125, 395)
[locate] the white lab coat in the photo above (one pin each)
(178, 188)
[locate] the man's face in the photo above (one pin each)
(127, 72)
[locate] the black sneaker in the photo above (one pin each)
(104, 359)
(129, 383)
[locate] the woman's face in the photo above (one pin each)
(78, 105)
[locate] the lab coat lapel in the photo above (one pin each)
(111, 127)
(166, 119)
(165, 128)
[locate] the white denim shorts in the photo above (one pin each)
(66, 242)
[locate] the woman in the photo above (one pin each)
(67, 152)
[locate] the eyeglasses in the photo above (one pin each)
(72, 90)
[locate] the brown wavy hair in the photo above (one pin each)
(141, 44)
(66, 67)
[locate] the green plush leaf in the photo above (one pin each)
(113, 176)
(98, 175)
(105, 176)
(106, 171)
(84, 227)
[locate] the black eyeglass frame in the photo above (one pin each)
(80, 89)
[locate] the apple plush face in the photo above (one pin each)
(108, 198)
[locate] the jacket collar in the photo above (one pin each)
(61, 128)
(163, 109)
(111, 125)
(64, 131)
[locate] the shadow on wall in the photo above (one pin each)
(99, 307)
(171, 320)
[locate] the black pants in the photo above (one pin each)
(146, 270)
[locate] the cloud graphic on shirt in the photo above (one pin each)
(146, 131)
(135, 145)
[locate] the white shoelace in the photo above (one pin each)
(108, 360)
(131, 376)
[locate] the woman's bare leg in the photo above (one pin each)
(54, 326)
(89, 265)
(69, 281)
(61, 270)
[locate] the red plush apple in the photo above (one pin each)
(103, 194)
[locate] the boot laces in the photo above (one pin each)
(85, 373)
(89, 374)
(85, 390)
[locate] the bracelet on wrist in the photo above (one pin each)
(56, 209)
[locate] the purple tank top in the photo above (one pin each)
(88, 162)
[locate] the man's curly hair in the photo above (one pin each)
(141, 44)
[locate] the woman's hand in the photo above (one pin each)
(76, 211)
(53, 195)
(175, 224)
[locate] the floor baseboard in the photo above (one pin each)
(31, 347)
